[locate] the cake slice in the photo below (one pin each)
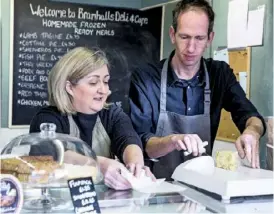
(36, 169)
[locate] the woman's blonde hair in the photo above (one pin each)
(72, 67)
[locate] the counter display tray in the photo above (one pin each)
(243, 182)
(251, 204)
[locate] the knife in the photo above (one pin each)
(152, 159)
(186, 153)
(269, 146)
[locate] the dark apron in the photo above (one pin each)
(173, 123)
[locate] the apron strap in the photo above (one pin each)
(207, 92)
(73, 128)
(73, 132)
(100, 139)
(163, 86)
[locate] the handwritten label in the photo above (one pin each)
(83, 195)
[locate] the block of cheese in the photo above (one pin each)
(228, 160)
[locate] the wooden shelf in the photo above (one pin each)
(239, 61)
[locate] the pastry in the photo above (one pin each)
(30, 168)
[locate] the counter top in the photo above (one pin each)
(188, 200)
(260, 204)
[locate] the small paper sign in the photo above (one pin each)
(83, 195)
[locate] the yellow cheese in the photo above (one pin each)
(227, 160)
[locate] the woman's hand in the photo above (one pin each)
(111, 170)
(136, 170)
(134, 160)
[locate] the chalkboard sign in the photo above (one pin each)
(44, 31)
(83, 195)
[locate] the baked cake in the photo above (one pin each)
(23, 167)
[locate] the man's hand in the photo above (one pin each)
(160, 146)
(187, 142)
(248, 143)
(248, 146)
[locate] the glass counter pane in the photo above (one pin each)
(112, 201)
(190, 200)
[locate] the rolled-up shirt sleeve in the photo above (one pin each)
(235, 101)
(140, 108)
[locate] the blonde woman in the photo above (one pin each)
(78, 88)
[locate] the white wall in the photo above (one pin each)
(6, 135)
(221, 145)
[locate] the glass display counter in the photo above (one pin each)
(188, 201)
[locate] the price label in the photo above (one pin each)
(83, 195)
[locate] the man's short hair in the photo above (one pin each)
(186, 5)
